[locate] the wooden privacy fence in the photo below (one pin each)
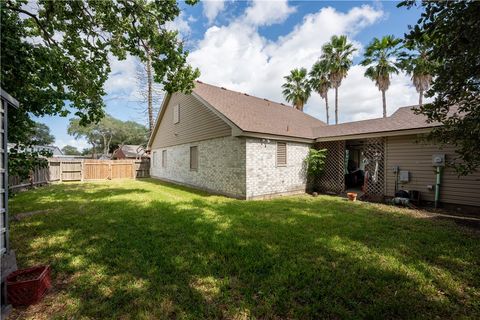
(39, 176)
(84, 169)
(90, 169)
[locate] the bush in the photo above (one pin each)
(316, 161)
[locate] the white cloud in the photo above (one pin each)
(264, 12)
(181, 24)
(122, 77)
(212, 8)
(236, 56)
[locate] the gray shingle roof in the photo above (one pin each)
(253, 114)
(132, 151)
(403, 119)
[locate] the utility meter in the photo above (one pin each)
(438, 160)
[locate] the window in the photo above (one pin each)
(154, 158)
(281, 154)
(176, 114)
(194, 158)
(164, 158)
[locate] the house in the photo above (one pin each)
(130, 151)
(54, 150)
(247, 147)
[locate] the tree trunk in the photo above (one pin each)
(326, 107)
(420, 98)
(150, 92)
(384, 104)
(105, 150)
(108, 144)
(336, 105)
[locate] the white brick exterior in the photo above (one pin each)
(265, 178)
(238, 167)
(221, 165)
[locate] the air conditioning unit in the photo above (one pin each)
(438, 160)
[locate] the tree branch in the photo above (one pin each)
(46, 34)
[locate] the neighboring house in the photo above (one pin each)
(71, 157)
(130, 151)
(242, 146)
(53, 149)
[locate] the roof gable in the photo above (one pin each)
(197, 121)
(253, 114)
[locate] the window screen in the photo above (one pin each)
(193, 158)
(154, 156)
(281, 154)
(164, 158)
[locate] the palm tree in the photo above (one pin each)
(319, 81)
(380, 58)
(297, 89)
(420, 67)
(338, 52)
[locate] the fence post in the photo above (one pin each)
(134, 169)
(61, 170)
(82, 168)
(109, 170)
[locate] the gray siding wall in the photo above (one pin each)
(417, 158)
(265, 178)
(196, 123)
(221, 165)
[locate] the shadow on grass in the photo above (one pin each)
(185, 255)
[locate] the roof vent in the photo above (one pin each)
(247, 94)
(266, 99)
(223, 88)
(199, 81)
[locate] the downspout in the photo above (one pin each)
(437, 186)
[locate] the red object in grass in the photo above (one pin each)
(28, 286)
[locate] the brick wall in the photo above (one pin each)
(221, 165)
(265, 178)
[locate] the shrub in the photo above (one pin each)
(316, 161)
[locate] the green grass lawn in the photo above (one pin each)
(150, 250)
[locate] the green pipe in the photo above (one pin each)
(437, 186)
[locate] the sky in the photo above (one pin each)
(249, 46)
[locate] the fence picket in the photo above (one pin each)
(83, 170)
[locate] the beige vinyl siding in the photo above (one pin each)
(417, 158)
(196, 123)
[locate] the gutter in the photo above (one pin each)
(375, 134)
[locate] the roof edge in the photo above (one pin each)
(390, 133)
(159, 118)
(250, 134)
(219, 114)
